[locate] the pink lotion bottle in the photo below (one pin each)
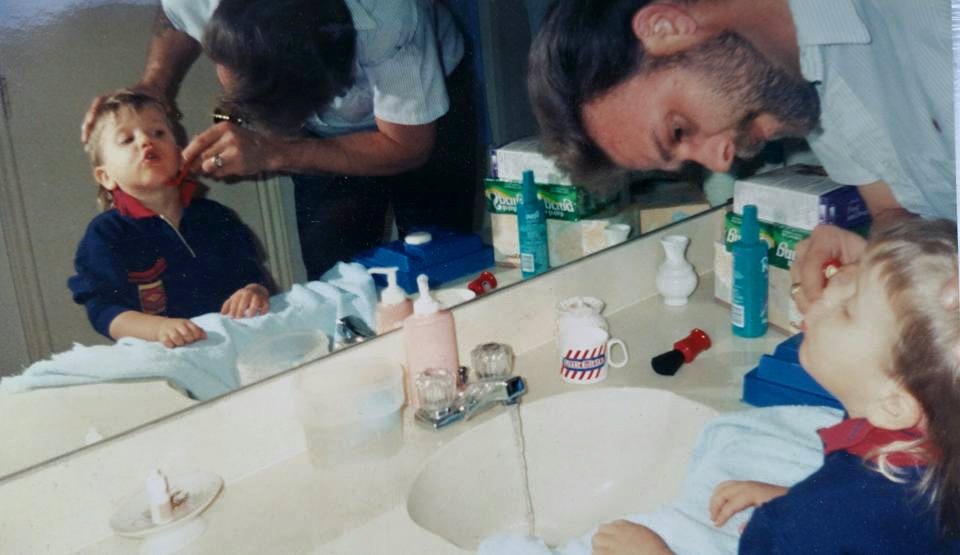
(430, 336)
(394, 306)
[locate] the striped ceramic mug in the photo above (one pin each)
(585, 354)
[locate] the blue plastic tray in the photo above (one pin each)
(780, 380)
(448, 256)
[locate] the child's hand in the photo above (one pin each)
(251, 300)
(733, 496)
(177, 332)
(627, 538)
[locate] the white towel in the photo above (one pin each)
(208, 368)
(778, 445)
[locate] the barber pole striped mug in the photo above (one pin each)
(585, 354)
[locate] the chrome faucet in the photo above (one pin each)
(352, 329)
(473, 399)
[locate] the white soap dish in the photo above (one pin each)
(191, 494)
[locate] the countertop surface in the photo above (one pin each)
(298, 506)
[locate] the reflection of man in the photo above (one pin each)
(643, 85)
(341, 93)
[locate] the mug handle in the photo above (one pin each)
(626, 355)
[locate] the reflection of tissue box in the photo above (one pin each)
(563, 202)
(567, 241)
(781, 310)
(509, 161)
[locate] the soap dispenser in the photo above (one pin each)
(430, 336)
(394, 306)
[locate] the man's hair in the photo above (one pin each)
(288, 57)
(915, 260)
(111, 105)
(583, 49)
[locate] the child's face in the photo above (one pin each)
(849, 339)
(138, 151)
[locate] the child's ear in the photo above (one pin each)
(665, 29)
(103, 178)
(898, 409)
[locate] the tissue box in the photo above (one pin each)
(567, 241)
(509, 161)
(563, 202)
(782, 312)
(801, 196)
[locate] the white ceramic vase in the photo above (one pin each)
(676, 278)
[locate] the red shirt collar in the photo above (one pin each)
(858, 437)
(130, 206)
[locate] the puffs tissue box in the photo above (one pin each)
(780, 380)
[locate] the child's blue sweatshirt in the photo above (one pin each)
(848, 507)
(136, 260)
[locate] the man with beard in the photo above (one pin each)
(654, 85)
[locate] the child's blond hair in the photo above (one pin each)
(110, 105)
(916, 259)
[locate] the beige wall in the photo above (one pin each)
(51, 72)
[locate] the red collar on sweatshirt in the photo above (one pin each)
(859, 437)
(130, 206)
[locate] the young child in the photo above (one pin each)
(882, 342)
(156, 256)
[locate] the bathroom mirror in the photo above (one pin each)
(55, 56)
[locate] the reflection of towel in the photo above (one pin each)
(778, 445)
(207, 368)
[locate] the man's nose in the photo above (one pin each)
(715, 153)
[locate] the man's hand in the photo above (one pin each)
(622, 537)
(733, 496)
(177, 332)
(251, 300)
(228, 150)
(825, 243)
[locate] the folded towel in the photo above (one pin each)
(778, 445)
(208, 368)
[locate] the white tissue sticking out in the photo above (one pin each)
(158, 496)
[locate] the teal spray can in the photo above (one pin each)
(532, 225)
(750, 278)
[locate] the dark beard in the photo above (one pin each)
(753, 85)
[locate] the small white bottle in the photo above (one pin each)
(430, 335)
(394, 306)
(158, 496)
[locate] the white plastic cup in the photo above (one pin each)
(616, 234)
(351, 413)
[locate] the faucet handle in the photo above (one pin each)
(492, 361)
(436, 389)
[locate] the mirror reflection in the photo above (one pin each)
(412, 156)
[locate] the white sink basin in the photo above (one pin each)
(591, 456)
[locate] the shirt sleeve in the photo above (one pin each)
(407, 76)
(100, 283)
(190, 16)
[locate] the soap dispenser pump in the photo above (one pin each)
(394, 306)
(430, 335)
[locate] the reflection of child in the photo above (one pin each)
(157, 256)
(881, 342)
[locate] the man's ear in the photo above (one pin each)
(103, 178)
(898, 409)
(665, 29)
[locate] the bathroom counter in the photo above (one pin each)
(295, 507)
(68, 415)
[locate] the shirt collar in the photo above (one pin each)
(824, 22)
(362, 20)
(859, 437)
(129, 206)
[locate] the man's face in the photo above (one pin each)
(718, 100)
